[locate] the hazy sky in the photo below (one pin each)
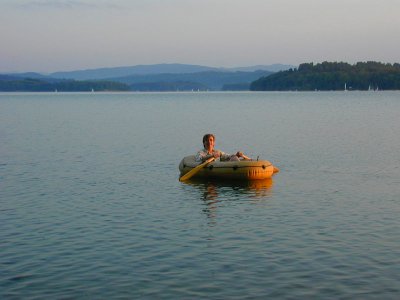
(58, 35)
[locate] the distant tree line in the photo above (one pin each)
(333, 76)
(200, 81)
(244, 86)
(210, 80)
(37, 85)
(168, 86)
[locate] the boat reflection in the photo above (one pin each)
(214, 192)
(253, 189)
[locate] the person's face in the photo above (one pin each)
(209, 143)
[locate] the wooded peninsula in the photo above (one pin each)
(332, 76)
(325, 76)
(9, 84)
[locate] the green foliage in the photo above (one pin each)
(209, 80)
(328, 76)
(37, 85)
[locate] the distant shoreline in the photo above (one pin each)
(333, 76)
(326, 76)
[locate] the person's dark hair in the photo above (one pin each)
(206, 137)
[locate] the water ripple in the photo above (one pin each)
(91, 205)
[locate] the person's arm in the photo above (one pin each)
(224, 156)
(203, 155)
(240, 154)
(200, 156)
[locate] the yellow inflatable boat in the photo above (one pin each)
(244, 169)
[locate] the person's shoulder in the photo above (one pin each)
(202, 152)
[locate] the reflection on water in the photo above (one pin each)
(214, 189)
(80, 215)
(213, 192)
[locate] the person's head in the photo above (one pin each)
(208, 141)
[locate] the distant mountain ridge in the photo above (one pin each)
(157, 77)
(271, 68)
(115, 72)
(103, 73)
(30, 75)
(209, 80)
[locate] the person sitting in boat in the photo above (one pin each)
(209, 151)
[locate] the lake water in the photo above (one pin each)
(91, 206)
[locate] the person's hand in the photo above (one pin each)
(217, 154)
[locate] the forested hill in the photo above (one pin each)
(15, 84)
(329, 76)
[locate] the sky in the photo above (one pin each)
(63, 35)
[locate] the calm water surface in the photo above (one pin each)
(91, 205)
